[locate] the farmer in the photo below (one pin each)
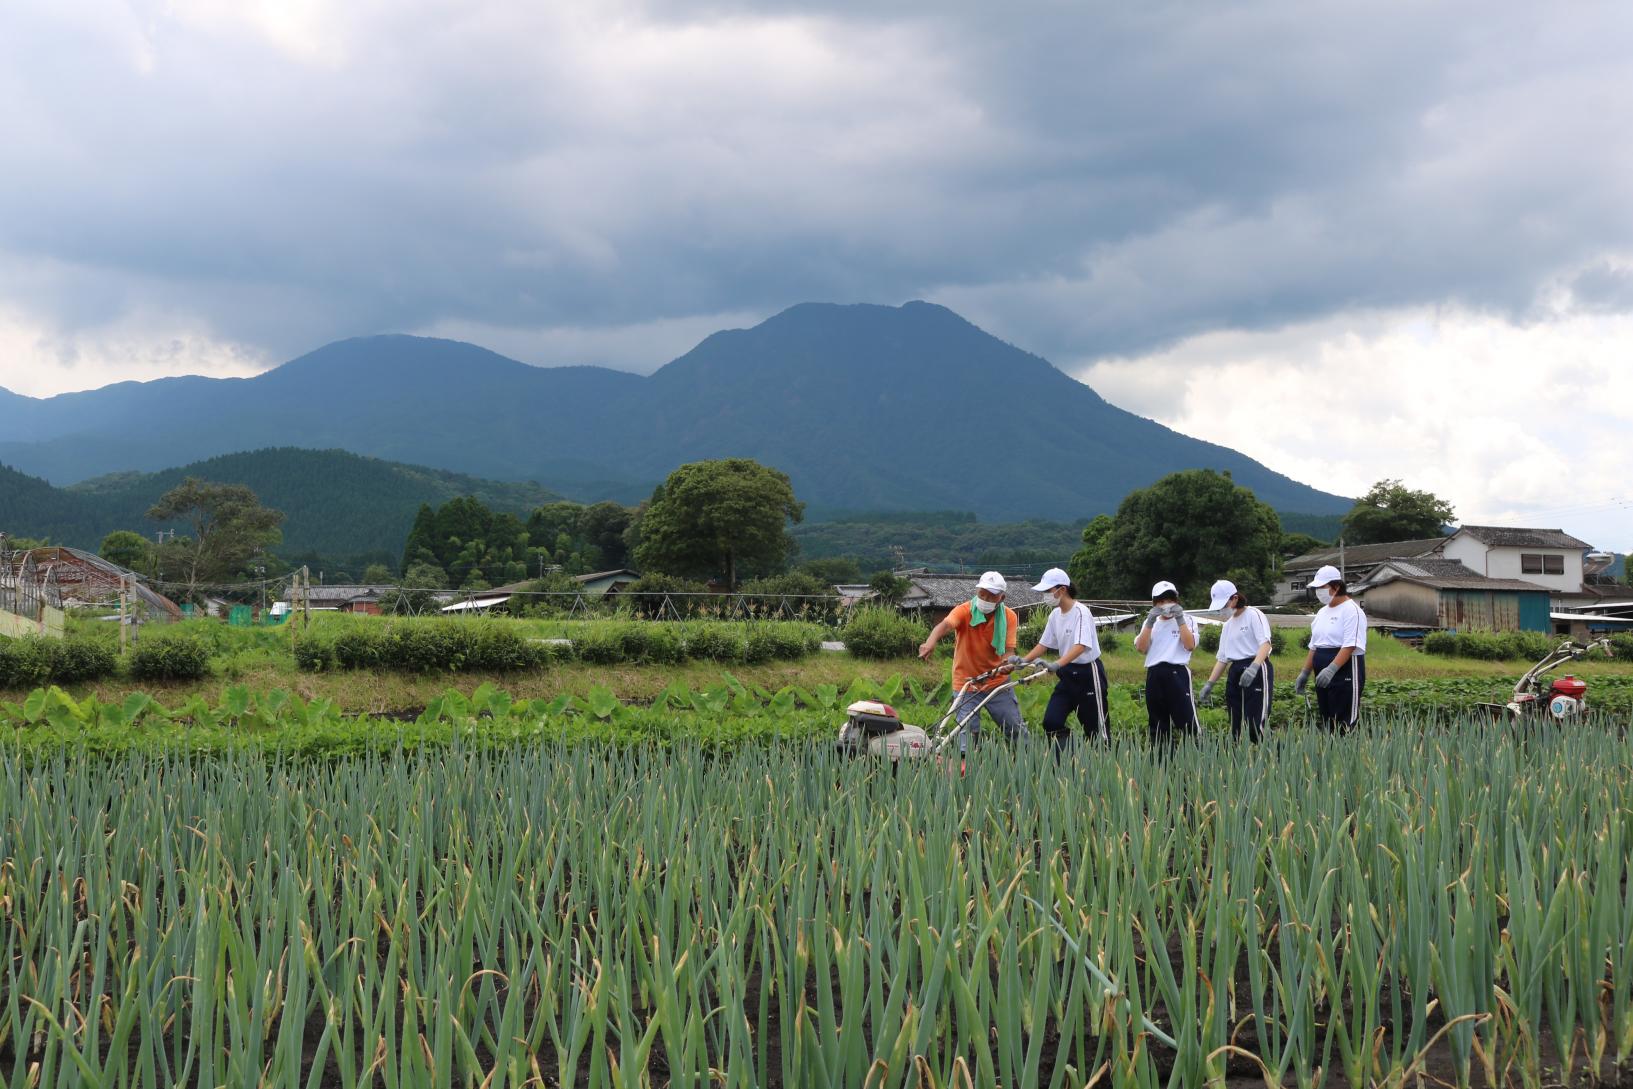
(1244, 650)
(1080, 683)
(1337, 634)
(984, 631)
(1166, 639)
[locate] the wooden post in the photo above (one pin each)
(294, 586)
(124, 619)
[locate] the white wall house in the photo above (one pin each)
(1546, 557)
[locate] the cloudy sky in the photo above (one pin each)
(1353, 241)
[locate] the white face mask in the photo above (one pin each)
(1324, 596)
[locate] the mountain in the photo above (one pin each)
(334, 502)
(865, 407)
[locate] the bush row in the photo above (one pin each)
(434, 646)
(1508, 645)
(1490, 646)
(33, 660)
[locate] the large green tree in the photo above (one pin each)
(1191, 528)
(228, 527)
(1390, 511)
(128, 549)
(719, 518)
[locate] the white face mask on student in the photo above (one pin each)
(1324, 595)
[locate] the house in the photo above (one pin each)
(602, 583)
(932, 596)
(1356, 561)
(1547, 557)
(347, 597)
(1436, 592)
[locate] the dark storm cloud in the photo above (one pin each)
(1086, 181)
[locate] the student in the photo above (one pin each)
(1166, 639)
(984, 630)
(1244, 650)
(1080, 683)
(1337, 634)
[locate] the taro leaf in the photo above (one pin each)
(500, 704)
(892, 690)
(801, 696)
(735, 684)
(135, 706)
(482, 698)
(561, 705)
(601, 702)
(827, 697)
(861, 689)
(676, 695)
(34, 705)
(235, 701)
(713, 700)
(782, 703)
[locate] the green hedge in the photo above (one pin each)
(882, 633)
(1490, 646)
(170, 658)
(33, 660)
(497, 646)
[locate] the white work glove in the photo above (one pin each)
(1324, 678)
(1157, 613)
(1207, 694)
(1053, 667)
(1303, 680)
(1250, 672)
(1174, 610)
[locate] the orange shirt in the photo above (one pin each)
(972, 646)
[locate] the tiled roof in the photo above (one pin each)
(1515, 537)
(945, 591)
(1365, 555)
(1443, 574)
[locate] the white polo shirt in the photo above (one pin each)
(1074, 627)
(1165, 644)
(1243, 635)
(1361, 647)
(1338, 626)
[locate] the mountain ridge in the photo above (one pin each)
(864, 406)
(337, 503)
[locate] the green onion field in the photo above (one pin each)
(1413, 900)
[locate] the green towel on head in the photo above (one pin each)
(1000, 624)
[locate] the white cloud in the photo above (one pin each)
(38, 360)
(1510, 422)
(641, 347)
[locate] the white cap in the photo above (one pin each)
(994, 582)
(1164, 587)
(1327, 574)
(1222, 592)
(1052, 578)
